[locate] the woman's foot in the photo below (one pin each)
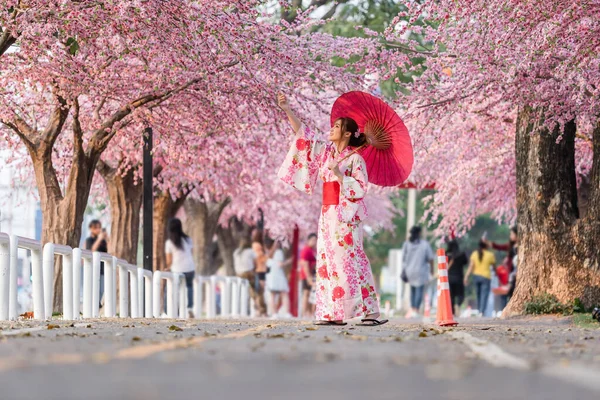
(338, 322)
(372, 320)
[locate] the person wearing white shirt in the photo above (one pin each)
(178, 249)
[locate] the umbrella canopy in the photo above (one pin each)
(388, 153)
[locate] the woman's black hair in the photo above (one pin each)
(482, 246)
(452, 248)
(415, 234)
(175, 232)
(349, 125)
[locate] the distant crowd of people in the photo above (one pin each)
(262, 261)
(259, 259)
(418, 271)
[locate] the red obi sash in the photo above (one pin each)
(331, 193)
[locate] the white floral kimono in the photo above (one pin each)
(345, 286)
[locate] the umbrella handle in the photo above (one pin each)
(353, 151)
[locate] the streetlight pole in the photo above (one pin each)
(148, 199)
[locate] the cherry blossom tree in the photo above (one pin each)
(84, 72)
(534, 66)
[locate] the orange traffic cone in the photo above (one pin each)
(444, 309)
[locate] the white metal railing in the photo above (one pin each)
(5, 262)
(88, 281)
(145, 292)
(66, 253)
(203, 289)
(140, 291)
(16, 243)
(175, 285)
(110, 284)
(128, 284)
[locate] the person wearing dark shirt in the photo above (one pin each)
(457, 261)
(98, 241)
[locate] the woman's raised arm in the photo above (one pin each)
(285, 106)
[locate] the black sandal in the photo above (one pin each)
(372, 322)
(329, 323)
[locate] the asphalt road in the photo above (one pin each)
(262, 359)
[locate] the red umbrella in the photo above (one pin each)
(388, 152)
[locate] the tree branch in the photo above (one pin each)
(55, 124)
(104, 169)
(23, 131)
(105, 133)
(6, 40)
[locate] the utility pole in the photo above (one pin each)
(148, 199)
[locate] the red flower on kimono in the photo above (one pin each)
(307, 186)
(351, 255)
(348, 239)
(365, 293)
(322, 256)
(308, 155)
(323, 272)
(364, 308)
(301, 144)
(335, 275)
(361, 277)
(371, 288)
(294, 161)
(338, 293)
(352, 193)
(326, 316)
(341, 244)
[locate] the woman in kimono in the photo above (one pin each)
(345, 288)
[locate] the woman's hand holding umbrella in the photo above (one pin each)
(333, 165)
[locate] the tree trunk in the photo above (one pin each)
(228, 239)
(125, 196)
(202, 222)
(165, 208)
(62, 216)
(556, 251)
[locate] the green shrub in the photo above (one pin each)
(546, 304)
(578, 306)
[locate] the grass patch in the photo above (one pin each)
(585, 321)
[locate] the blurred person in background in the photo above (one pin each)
(178, 250)
(481, 263)
(277, 282)
(245, 268)
(417, 262)
(457, 262)
(507, 270)
(98, 241)
(308, 273)
(260, 263)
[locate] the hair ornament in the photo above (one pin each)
(357, 134)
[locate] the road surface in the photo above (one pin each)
(262, 359)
